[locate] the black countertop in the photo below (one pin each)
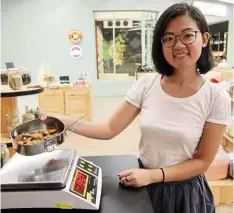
(114, 198)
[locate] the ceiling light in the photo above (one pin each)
(211, 9)
(228, 1)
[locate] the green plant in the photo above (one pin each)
(145, 68)
(120, 48)
(135, 59)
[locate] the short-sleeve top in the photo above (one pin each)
(171, 127)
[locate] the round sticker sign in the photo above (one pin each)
(76, 52)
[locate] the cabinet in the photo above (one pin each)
(74, 102)
(8, 106)
(52, 100)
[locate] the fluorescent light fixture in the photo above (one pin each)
(227, 1)
(211, 9)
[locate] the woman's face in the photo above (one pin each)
(183, 42)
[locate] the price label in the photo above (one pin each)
(63, 205)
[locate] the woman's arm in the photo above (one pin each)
(122, 117)
(207, 149)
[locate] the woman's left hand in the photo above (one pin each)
(135, 177)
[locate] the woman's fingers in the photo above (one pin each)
(43, 117)
(125, 173)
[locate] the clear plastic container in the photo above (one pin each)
(5, 155)
(4, 77)
(15, 80)
(26, 77)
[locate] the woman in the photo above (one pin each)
(183, 116)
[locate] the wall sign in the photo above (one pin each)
(64, 79)
(75, 36)
(76, 52)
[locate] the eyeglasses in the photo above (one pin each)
(186, 38)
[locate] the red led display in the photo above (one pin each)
(80, 183)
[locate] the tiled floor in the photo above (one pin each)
(125, 143)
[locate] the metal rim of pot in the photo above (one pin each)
(45, 145)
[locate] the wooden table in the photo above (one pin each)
(9, 105)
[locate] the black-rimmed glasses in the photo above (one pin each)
(188, 37)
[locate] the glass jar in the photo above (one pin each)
(28, 115)
(15, 80)
(4, 77)
(8, 124)
(5, 155)
(15, 121)
(26, 77)
(11, 122)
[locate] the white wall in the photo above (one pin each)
(37, 30)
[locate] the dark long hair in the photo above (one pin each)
(205, 63)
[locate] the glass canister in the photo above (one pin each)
(26, 77)
(11, 122)
(15, 79)
(28, 115)
(8, 124)
(5, 155)
(4, 77)
(15, 121)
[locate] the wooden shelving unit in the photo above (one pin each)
(227, 143)
(222, 191)
(5, 138)
(74, 102)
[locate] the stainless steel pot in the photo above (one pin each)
(44, 146)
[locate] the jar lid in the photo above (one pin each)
(15, 72)
(25, 72)
(3, 72)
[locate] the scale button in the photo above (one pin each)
(82, 161)
(90, 166)
(90, 170)
(89, 197)
(81, 165)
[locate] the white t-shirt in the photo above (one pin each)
(171, 127)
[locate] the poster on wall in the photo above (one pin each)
(76, 52)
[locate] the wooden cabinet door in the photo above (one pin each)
(52, 101)
(77, 103)
(8, 106)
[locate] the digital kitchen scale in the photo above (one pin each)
(58, 179)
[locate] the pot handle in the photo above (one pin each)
(79, 122)
(49, 146)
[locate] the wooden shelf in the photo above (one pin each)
(226, 135)
(226, 182)
(227, 143)
(222, 191)
(5, 138)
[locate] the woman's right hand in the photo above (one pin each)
(43, 116)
